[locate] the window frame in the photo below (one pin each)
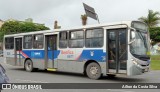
(76, 38)
(33, 41)
(28, 42)
(9, 43)
(94, 37)
(63, 39)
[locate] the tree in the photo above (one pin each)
(84, 19)
(152, 18)
(8, 28)
(155, 34)
(29, 20)
(11, 27)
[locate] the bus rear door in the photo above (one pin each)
(51, 47)
(18, 51)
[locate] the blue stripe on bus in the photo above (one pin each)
(97, 55)
(40, 54)
(56, 54)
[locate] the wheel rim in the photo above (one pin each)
(28, 65)
(94, 70)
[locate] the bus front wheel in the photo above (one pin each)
(28, 65)
(93, 71)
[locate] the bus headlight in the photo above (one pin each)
(135, 62)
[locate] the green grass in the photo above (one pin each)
(155, 62)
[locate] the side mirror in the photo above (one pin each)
(132, 36)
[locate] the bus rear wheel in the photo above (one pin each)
(93, 71)
(28, 65)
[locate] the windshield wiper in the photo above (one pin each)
(140, 34)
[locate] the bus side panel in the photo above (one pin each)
(38, 63)
(77, 67)
(98, 55)
(80, 58)
(9, 57)
(67, 61)
(70, 66)
(37, 57)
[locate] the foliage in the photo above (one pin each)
(11, 27)
(152, 18)
(155, 34)
(155, 62)
(84, 19)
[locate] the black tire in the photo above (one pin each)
(93, 71)
(28, 65)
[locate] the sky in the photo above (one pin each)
(68, 12)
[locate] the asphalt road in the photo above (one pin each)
(19, 75)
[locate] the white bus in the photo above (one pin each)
(94, 50)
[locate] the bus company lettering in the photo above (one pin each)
(37, 53)
(67, 52)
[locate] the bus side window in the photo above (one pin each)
(38, 41)
(76, 39)
(63, 40)
(94, 38)
(9, 43)
(27, 42)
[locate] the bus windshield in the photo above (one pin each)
(140, 46)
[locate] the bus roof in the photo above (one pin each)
(96, 25)
(75, 28)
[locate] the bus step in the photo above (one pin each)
(51, 69)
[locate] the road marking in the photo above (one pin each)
(31, 81)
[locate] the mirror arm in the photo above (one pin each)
(131, 42)
(133, 39)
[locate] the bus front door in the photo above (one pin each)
(18, 51)
(117, 50)
(51, 42)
